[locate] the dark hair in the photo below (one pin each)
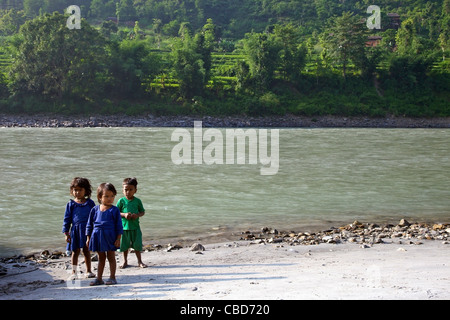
(131, 181)
(81, 183)
(106, 186)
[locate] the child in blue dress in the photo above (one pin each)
(104, 230)
(74, 224)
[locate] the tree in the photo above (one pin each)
(188, 66)
(56, 5)
(191, 59)
(126, 10)
(157, 27)
(131, 65)
(346, 40)
(444, 37)
(408, 71)
(209, 32)
(10, 21)
(406, 37)
(53, 62)
(261, 51)
(107, 28)
(102, 9)
(205, 41)
(292, 54)
(32, 7)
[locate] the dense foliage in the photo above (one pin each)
(257, 57)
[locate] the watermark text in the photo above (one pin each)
(230, 149)
(74, 21)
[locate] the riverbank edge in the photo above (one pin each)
(362, 233)
(149, 120)
(408, 263)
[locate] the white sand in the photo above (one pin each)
(240, 270)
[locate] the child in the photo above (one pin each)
(131, 209)
(104, 230)
(75, 220)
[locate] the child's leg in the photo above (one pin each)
(87, 259)
(101, 264)
(112, 263)
(139, 259)
(137, 245)
(74, 260)
(125, 259)
(124, 246)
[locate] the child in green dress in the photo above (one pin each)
(131, 209)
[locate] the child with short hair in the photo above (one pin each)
(74, 225)
(104, 230)
(131, 209)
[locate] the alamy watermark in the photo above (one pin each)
(374, 21)
(221, 150)
(74, 21)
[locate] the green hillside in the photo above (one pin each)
(257, 57)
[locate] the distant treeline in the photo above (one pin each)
(255, 57)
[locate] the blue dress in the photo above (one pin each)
(103, 227)
(75, 220)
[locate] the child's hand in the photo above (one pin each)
(117, 243)
(131, 216)
(68, 238)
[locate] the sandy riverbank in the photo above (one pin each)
(255, 271)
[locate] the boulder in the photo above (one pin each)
(197, 247)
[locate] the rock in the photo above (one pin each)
(171, 247)
(197, 247)
(357, 232)
(3, 271)
(275, 240)
(45, 254)
(438, 226)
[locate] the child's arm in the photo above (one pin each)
(119, 228)
(67, 222)
(140, 209)
(117, 242)
(90, 226)
(126, 215)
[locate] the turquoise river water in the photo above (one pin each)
(324, 177)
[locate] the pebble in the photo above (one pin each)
(171, 247)
(364, 234)
(197, 247)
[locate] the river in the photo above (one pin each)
(324, 177)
